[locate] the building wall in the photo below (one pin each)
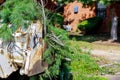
(106, 26)
(88, 12)
(83, 13)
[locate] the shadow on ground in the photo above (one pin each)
(95, 38)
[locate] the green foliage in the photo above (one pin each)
(59, 32)
(83, 1)
(88, 77)
(18, 13)
(68, 1)
(5, 33)
(55, 56)
(111, 69)
(64, 1)
(83, 66)
(90, 24)
(86, 1)
(56, 19)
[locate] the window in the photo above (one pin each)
(101, 10)
(75, 9)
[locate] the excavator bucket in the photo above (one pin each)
(37, 66)
(34, 64)
(24, 52)
(6, 68)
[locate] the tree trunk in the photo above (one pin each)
(44, 17)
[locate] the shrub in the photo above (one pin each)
(90, 24)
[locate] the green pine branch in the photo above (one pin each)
(18, 13)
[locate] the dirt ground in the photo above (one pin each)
(110, 56)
